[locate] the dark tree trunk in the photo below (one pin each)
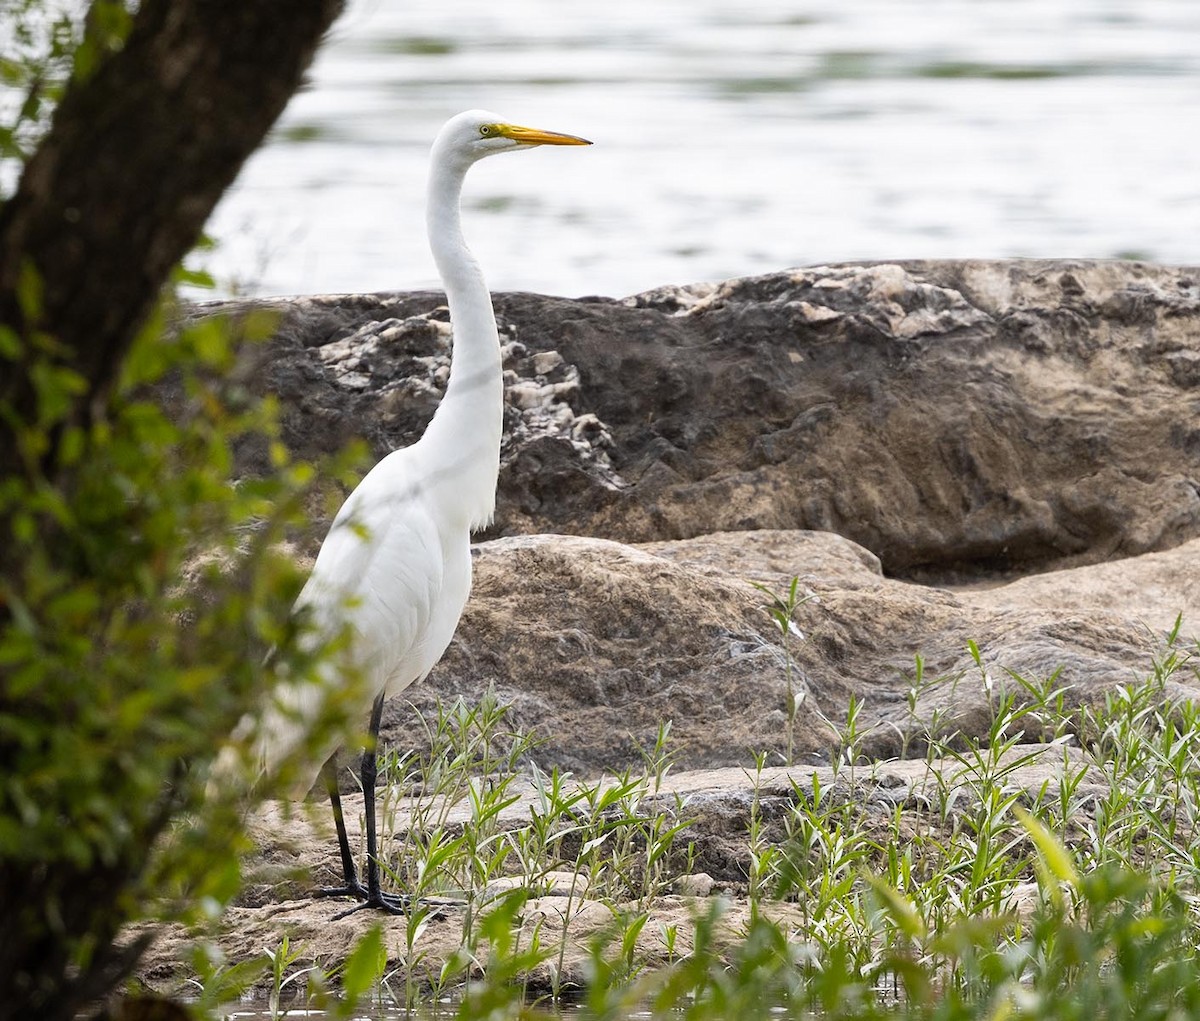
(136, 157)
(135, 160)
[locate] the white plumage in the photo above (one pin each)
(395, 569)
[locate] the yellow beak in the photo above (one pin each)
(534, 136)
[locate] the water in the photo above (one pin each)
(732, 139)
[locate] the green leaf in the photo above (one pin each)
(10, 344)
(899, 909)
(973, 649)
(366, 964)
(195, 278)
(1051, 852)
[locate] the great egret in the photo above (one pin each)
(395, 568)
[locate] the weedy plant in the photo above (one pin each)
(781, 608)
(964, 890)
(136, 607)
(470, 819)
(960, 867)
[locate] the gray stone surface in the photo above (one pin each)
(958, 419)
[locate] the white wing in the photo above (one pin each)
(395, 570)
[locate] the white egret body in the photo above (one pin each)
(396, 566)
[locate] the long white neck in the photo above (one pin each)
(466, 429)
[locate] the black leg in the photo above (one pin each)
(339, 821)
(372, 896)
(369, 773)
(352, 887)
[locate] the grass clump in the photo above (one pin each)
(1048, 870)
(1045, 869)
(452, 837)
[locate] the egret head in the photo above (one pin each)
(475, 134)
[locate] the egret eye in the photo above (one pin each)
(486, 130)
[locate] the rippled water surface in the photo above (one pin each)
(732, 139)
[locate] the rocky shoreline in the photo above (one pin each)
(992, 466)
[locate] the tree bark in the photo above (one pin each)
(136, 158)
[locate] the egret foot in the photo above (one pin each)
(391, 904)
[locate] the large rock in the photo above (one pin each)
(953, 417)
(595, 643)
(957, 422)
